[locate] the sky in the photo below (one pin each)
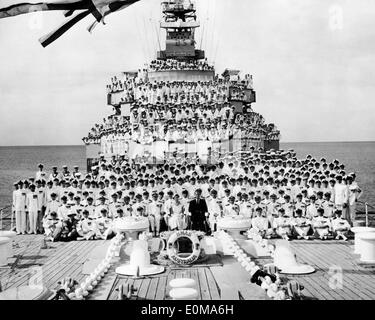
(313, 63)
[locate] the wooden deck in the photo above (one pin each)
(228, 282)
(338, 275)
(49, 265)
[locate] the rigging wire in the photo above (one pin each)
(153, 39)
(146, 34)
(205, 29)
(160, 17)
(140, 38)
(216, 50)
(213, 32)
(157, 35)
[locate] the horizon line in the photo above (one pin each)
(82, 145)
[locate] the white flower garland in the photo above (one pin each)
(273, 289)
(88, 285)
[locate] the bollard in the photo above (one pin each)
(44, 244)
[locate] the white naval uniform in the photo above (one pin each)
(354, 194)
(301, 226)
(19, 205)
(282, 226)
(32, 204)
(154, 214)
(52, 206)
(39, 175)
(214, 211)
(341, 197)
(259, 225)
(62, 212)
(321, 226)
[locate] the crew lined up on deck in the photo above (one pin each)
(177, 127)
(172, 64)
(130, 89)
(207, 122)
(284, 196)
(183, 116)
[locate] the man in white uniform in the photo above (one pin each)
(32, 208)
(19, 207)
(214, 210)
(40, 174)
(341, 196)
(340, 226)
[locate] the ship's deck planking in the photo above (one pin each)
(227, 282)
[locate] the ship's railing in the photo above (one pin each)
(366, 207)
(6, 214)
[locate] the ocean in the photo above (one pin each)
(21, 162)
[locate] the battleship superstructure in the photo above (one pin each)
(178, 105)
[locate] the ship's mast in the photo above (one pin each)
(180, 22)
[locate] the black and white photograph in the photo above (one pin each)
(180, 150)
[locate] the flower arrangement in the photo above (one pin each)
(200, 234)
(166, 234)
(146, 236)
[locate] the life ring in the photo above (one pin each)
(172, 254)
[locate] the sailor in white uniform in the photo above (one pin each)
(282, 225)
(54, 174)
(76, 173)
(301, 225)
(19, 206)
(340, 226)
(260, 224)
(40, 175)
(32, 209)
(231, 208)
(52, 205)
(354, 194)
(214, 210)
(341, 196)
(321, 225)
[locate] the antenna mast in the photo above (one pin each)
(180, 22)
